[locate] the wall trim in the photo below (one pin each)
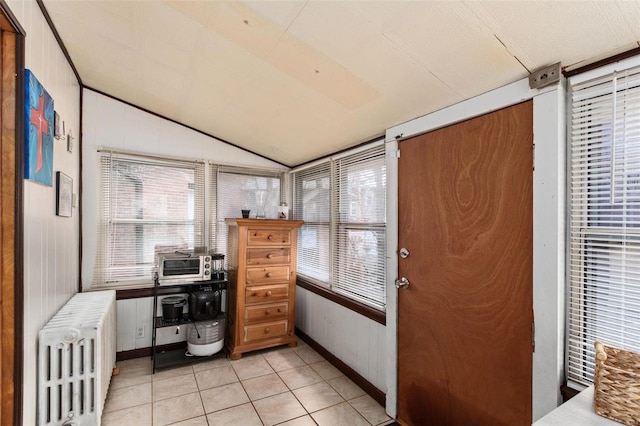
(80, 191)
(362, 309)
(337, 153)
(56, 35)
(13, 24)
(570, 72)
(13, 47)
(367, 386)
(19, 235)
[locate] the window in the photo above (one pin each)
(147, 206)
(342, 241)
(312, 204)
(240, 188)
(604, 255)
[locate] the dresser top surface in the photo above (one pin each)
(279, 223)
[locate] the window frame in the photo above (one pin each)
(207, 214)
(330, 289)
(593, 229)
(106, 221)
(217, 225)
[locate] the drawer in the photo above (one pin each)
(263, 313)
(266, 293)
(269, 237)
(268, 256)
(265, 331)
(267, 275)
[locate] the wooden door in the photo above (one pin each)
(11, 161)
(465, 321)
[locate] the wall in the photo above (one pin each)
(51, 243)
(358, 341)
(548, 228)
(109, 123)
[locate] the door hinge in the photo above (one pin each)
(398, 154)
(533, 336)
(533, 148)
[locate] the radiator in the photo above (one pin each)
(76, 356)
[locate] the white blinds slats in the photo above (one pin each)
(240, 188)
(147, 206)
(604, 259)
(342, 242)
(213, 210)
(360, 213)
(312, 201)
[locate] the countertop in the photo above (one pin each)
(577, 411)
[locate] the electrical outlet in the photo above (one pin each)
(140, 333)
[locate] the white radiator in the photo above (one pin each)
(77, 353)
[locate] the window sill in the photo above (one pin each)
(362, 309)
(137, 293)
(568, 392)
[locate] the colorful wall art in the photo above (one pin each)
(38, 131)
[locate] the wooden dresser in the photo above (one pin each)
(262, 284)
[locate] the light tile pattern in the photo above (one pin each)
(279, 386)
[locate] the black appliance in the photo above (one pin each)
(172, 308)
(205, 302)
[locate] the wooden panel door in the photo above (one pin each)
(11, 49)
(465, 321)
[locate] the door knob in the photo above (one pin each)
(402, 283)
(404, 253)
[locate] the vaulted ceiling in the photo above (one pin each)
(296, 80)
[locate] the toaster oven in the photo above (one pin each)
(183, 267)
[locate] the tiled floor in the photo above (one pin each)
(281, 386)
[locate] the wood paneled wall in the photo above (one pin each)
(356, 340)
(51, 243)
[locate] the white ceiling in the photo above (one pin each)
(296, 80)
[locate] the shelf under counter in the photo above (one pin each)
(171, 287)
(162, 323)
(172, 358)
(169, 356)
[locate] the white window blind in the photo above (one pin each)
(147, 206)
(312, 203)
(242, 188)
(342, 242)
(604, 264)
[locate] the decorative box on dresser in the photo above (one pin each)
(262, 284)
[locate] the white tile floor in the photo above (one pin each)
(281, 386)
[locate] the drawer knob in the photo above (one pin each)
(279, 310)
(266, 330)
(254, 294)
(270, 256)
(269, 274)
(268, 293)
(268, 311)
(270, 237)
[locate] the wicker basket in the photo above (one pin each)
(617, 385)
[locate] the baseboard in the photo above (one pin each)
(356, 378)
(142, 352)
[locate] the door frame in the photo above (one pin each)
(11, 215)
(548, 229)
